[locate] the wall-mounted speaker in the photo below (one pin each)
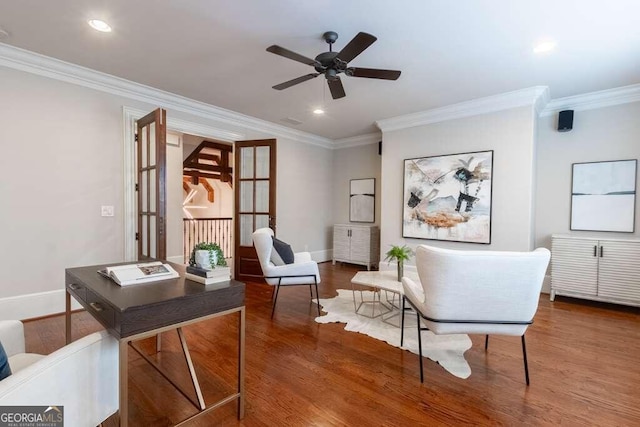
(565, 121)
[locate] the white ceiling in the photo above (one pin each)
(448, 51)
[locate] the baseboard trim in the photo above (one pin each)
(29, 306)
(322, 256)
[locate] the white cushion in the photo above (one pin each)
(477, 285)
(81, 376)
(20, 361)
(302, 265)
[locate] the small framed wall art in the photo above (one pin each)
(603, 196)
(448, 197)
(362, 200)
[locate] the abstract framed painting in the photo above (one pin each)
(603, 196)
(362, 200)
(448, 197)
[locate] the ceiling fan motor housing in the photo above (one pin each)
(326, 60)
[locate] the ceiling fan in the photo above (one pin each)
(333, 63)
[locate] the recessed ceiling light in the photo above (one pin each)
(99, 25)
(318, 111)
(544, 46)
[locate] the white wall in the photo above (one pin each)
(304, 205)
(611, 133)
(66, 141)
(174, 204)
(354, 163)
(509, 133)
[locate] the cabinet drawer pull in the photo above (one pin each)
(74, 287)
(601, 251)
(595, 250)
(96, 306)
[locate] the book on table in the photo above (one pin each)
(131, 274)
(207, 274)
(208, 280)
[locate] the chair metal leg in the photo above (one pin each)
(402, 323)
(310, 290)
(273, 308)
(420, 347)
(315, 281)
(524, 355)
(486, 343)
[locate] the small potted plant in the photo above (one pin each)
(399, 254)
(207, 255)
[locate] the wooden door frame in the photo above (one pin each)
(130, 116)
(158, 119)
(271, 142)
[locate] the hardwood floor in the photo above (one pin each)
(583, 362)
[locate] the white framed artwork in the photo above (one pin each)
(603, 196)
(362, 200)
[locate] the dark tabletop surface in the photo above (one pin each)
(143, 294)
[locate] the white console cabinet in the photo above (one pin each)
(356, 244)
(596, 269)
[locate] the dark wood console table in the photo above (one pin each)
(135, 312)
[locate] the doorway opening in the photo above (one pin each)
(207, 187)
(176, 128)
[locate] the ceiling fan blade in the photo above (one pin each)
(356, 46)
(336, 88)
(295, 81)
(373, 73)
(291, 55)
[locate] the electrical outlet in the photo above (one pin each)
(107, 210)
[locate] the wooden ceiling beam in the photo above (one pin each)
(198, 174)
(206, 167)
(209, 188)
(212, 157)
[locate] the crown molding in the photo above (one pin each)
(356, 141)
(34, 63)
(594, 100)
(489, 104)
(188, 127)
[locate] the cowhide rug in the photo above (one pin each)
(447, 350)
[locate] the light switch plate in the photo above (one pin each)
(107, 210)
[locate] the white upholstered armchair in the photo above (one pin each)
(303, 270)
(82, 376)
(476, 292)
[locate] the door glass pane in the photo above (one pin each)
(262, 221)
(262, 196)
(246, 162)
(152, 236)
(262, 162)
(152, 144)
(246, 196)
(246, 229)
(144, 190)
(142, 141)
(143, 233)
(152, 190)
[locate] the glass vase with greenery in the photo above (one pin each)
(399, 254)
(215, 254)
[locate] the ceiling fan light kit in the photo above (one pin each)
(331, 63)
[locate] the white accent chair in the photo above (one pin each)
(82, 376)
(476, 292)
(303, 271)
